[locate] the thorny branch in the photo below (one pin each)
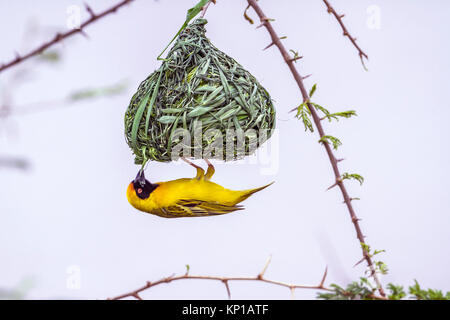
(61, 36)
(347, 34)
(225, 280)
(333, 160)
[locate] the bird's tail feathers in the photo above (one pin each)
(248, 193)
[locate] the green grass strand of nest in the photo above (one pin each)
(196, 83)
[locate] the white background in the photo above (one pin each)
(69, 208)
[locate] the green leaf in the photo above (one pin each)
(51, 56)
(320, 108)
(333, 140)
(361, 290)
(172, 110)
(354, 176)
(199, 111)
(228, 114)
(304, 114)
(397, 292)
(378, 252)
(381, 267)
(212, 95)
(365, 247)
(137, 119)
(364, 290)
(296, 55)
(313, 89)
(430, 294)
(191, 14)
(97, 92)
(152, 103)
(343, 114)
(167, 119)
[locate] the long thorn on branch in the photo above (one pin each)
(62, 36)
(347, 34)
(225, 280)
(261, 274)
(324, 277)
(316, 119)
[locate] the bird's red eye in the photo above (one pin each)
(139, 190)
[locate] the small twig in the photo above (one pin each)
(332, 186)
(347, 34)
(205, 8)
(137, 296)
(89, 10)
(61, 36)
(261, 274)
(359, 262)
(267, 47)
(324, 277)
(316, 119)
(81, 95)
(17, 163)
(225, 280)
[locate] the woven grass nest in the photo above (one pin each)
(197, 84)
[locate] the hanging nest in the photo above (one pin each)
(197, 86)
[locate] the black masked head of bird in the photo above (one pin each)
(141, 187)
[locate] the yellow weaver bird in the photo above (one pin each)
(195, 197)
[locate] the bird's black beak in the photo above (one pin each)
(140, 178)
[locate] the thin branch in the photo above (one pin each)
(324, 277)
(334, 163)
(261, 274)
(347, 34)
(205, 8)
(62, 36)
(76, 96)
(16, 163)
(225, 281)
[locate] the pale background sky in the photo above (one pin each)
(69, 209)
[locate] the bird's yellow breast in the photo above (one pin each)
(169, 193)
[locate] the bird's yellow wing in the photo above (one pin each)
(195, 208)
